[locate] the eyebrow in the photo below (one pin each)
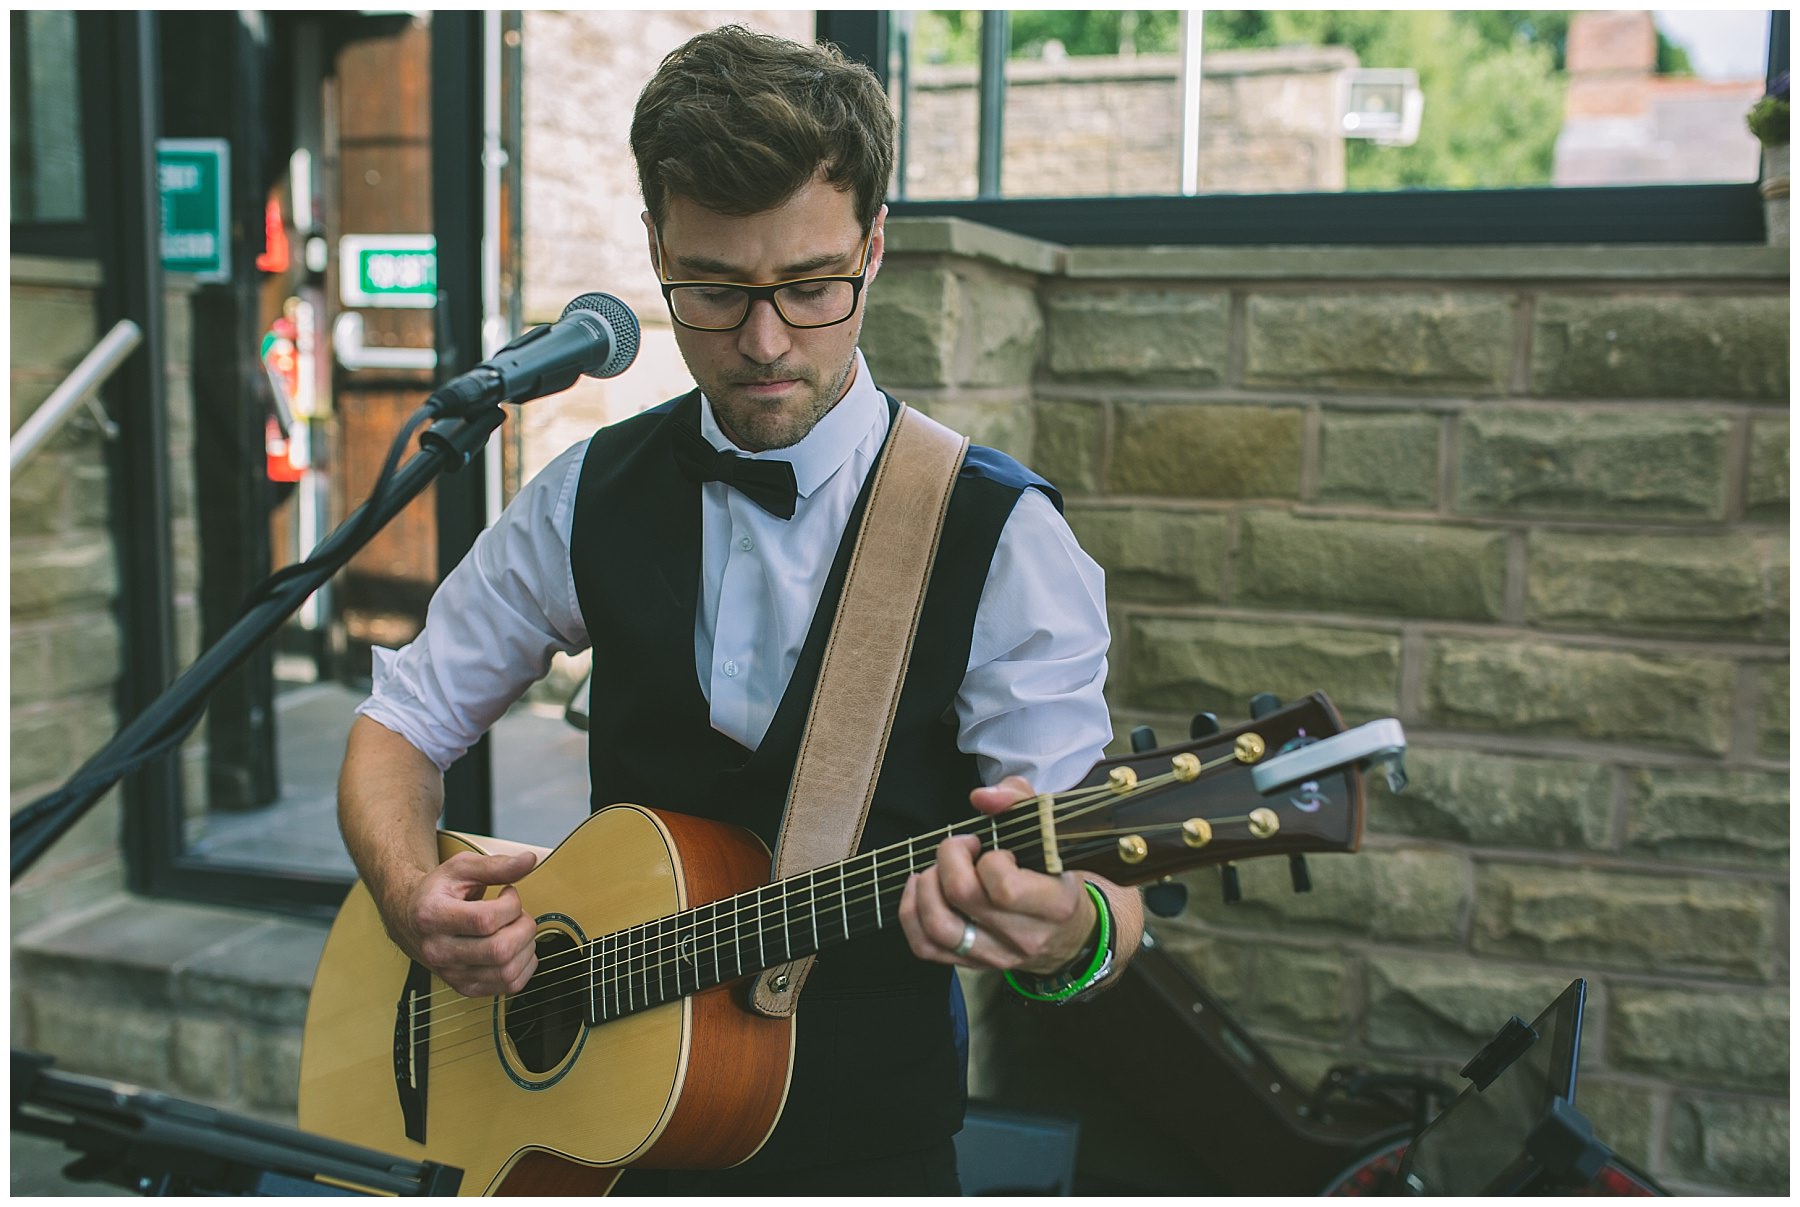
(798, 268)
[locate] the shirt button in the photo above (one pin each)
(746, 544)
(730, 668)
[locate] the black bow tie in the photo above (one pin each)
(768, 484)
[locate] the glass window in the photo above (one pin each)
(47, 183)
(1147, 103)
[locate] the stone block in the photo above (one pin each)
(1450, 1006)
(86, 654)
(1066, 446)
(911, 326)
(1003, 333)
(1623, 1114)
(1219, 964)
(1388, 460)
(59, 577)
(1772, 737)
(1738, 1144)
(264, 973)
(43, 745)
(40, 496)
(1404, 895)
(52, 329)
(1155, 554)
(1609, 695)
(1766, 483)
(30, 666)
(1299, 990)
(1725, 1036)
(1708, 585)
(1142, 333)
(1772, 552)
(1496, 800)
(1188, 665)
(998, 423)
(1207, 452)
(1661, 923)
(206, 1058)
(1403, 342)
(1661, 346)
(104, 1037)
(1737, 818)
(1329, 565)
(130, 948)
(270, 1058)
(1649, 464)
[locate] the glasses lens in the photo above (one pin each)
(815, 303)
(702, 306)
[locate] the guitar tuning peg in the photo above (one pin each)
(1143, 738)
(1204, 725)
(1264, 703)
(1297, 871)
(1166, 898)
(1228, 881)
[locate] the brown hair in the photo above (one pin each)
(737, 122)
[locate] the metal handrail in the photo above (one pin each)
(77, 388)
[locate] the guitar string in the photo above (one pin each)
(632, 959)
(637, 963)
(1077, 802)
(477, 1037)
(1021, 820)
(632, 968)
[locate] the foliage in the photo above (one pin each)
(1493, 95)
(955, 36)
(1768, 120)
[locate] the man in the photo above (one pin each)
(763, 165)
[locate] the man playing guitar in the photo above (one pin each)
(763, 165)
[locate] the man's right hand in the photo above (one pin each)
(478, 947)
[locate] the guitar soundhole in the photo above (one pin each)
(544, 1019)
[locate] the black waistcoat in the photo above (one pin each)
(878, 1067)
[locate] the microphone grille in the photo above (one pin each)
(624, 326)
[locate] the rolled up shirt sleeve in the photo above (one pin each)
(492, 625)
(1032, 702)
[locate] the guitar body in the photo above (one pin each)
(525, 1106)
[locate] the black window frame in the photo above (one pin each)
(1620, 214)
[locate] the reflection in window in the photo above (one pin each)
(46, 119)
(1123, 103)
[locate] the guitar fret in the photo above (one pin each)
(718, 976)
(875, 888)
(844, 901)
(812, 893)
(592, 950)
(762, 953)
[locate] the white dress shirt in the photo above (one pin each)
(1030, 703)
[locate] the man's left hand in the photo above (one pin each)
(982, 910)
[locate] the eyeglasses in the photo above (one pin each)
(803, 302)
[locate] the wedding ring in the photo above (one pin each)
(968, 940)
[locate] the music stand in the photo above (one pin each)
(1516, 1127)
(159, 1145)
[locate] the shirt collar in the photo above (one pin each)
(822, 451)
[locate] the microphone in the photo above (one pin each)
(596, 335)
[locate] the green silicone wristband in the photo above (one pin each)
(1095, 971)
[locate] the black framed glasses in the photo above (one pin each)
(804, 302)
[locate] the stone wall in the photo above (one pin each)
(1110, 125)
(66, 649)
(1531, 501)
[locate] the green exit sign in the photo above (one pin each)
(388, 270)
(193, 178)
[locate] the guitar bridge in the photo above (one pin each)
(412, 1048)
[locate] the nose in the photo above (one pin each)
(763, 338)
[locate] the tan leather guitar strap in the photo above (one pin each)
(865, 664)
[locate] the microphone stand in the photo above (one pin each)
(445, 447)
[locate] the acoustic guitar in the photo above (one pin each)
(632, 1044)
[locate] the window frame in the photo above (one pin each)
(1615, 214)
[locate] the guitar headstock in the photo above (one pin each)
(1148, 814)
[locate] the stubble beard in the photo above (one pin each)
(757, 427)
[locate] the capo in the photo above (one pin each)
(1046, 811)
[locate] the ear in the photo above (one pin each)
(650, 238)
(877, 244)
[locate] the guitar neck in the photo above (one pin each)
(683, 953)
